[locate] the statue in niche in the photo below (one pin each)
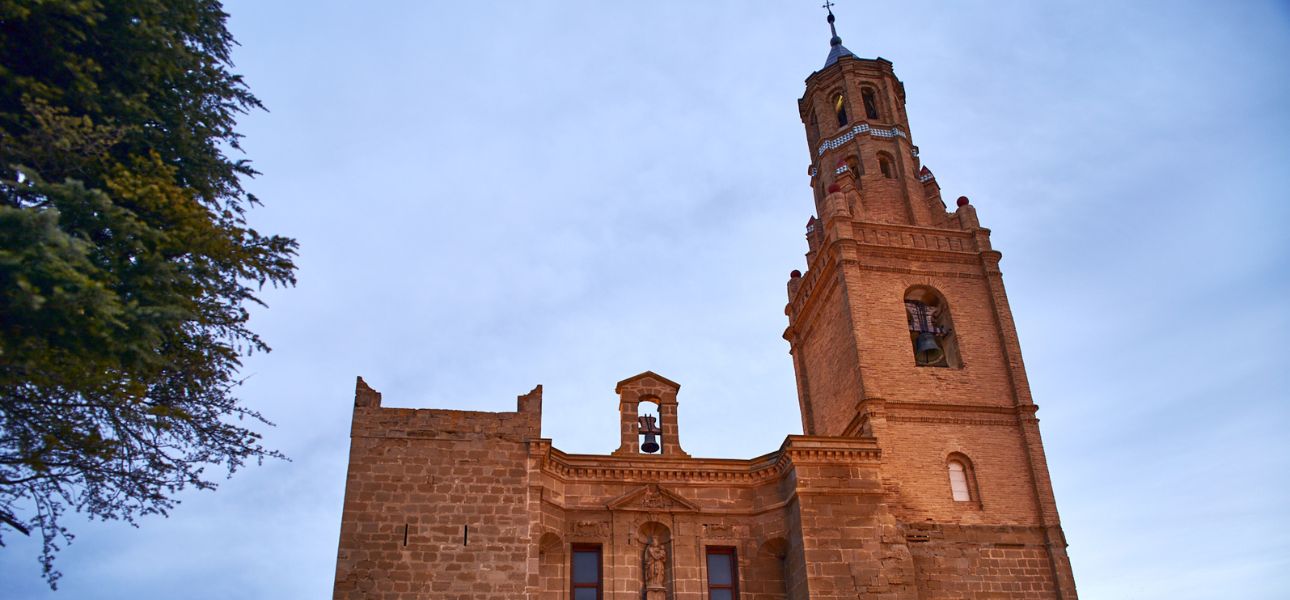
(655, 570)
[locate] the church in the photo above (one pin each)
(919, 475)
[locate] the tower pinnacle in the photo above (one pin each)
(836, 49)
(835, 40)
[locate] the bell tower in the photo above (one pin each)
(900, 329)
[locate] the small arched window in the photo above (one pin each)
(886, 165)
(931, 330)
(962, 479)
(870, 103)
(840, 108)
(958, 482)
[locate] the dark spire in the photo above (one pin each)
(836, 49)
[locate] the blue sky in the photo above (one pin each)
(489, 196)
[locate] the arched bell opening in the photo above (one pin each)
(869, 99)
(649, 425)
(931, 328)
(647, 413)
(838, 102)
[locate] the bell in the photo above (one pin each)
(647, 427)
(928, 351)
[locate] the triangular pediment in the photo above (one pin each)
(658, 379)
(652, 498)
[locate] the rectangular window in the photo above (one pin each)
(585, 579)
(723, 579)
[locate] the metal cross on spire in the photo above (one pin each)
(837, 50)
(835, 41)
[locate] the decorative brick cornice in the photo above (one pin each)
(795, 450)
(922, 272)
(931, 244)
(801, 449)
(866, 251)
(950, 420)
(895, 405)
(909, 236)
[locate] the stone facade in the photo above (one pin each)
(920, 476)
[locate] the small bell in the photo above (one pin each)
(928, 351)
(646, 426)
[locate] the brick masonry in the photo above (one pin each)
(474, 505)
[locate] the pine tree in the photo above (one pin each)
(127, 264)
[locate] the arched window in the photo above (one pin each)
(962, 479)
(870, 103)
(840, 107)
(959, 482)
(931, 330)
(886, 165)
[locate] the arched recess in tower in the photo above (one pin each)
(931, 328)
(649, 425)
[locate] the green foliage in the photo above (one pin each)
(126, 262)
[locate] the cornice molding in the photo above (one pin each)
(796, 450)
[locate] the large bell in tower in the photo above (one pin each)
(928, 351)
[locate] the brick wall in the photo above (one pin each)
(829, 368)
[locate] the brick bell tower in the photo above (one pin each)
(900, 332)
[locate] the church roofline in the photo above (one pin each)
(646, 467)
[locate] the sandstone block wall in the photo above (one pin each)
(436, 505)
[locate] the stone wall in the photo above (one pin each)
(981, 562)
(436, 504)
